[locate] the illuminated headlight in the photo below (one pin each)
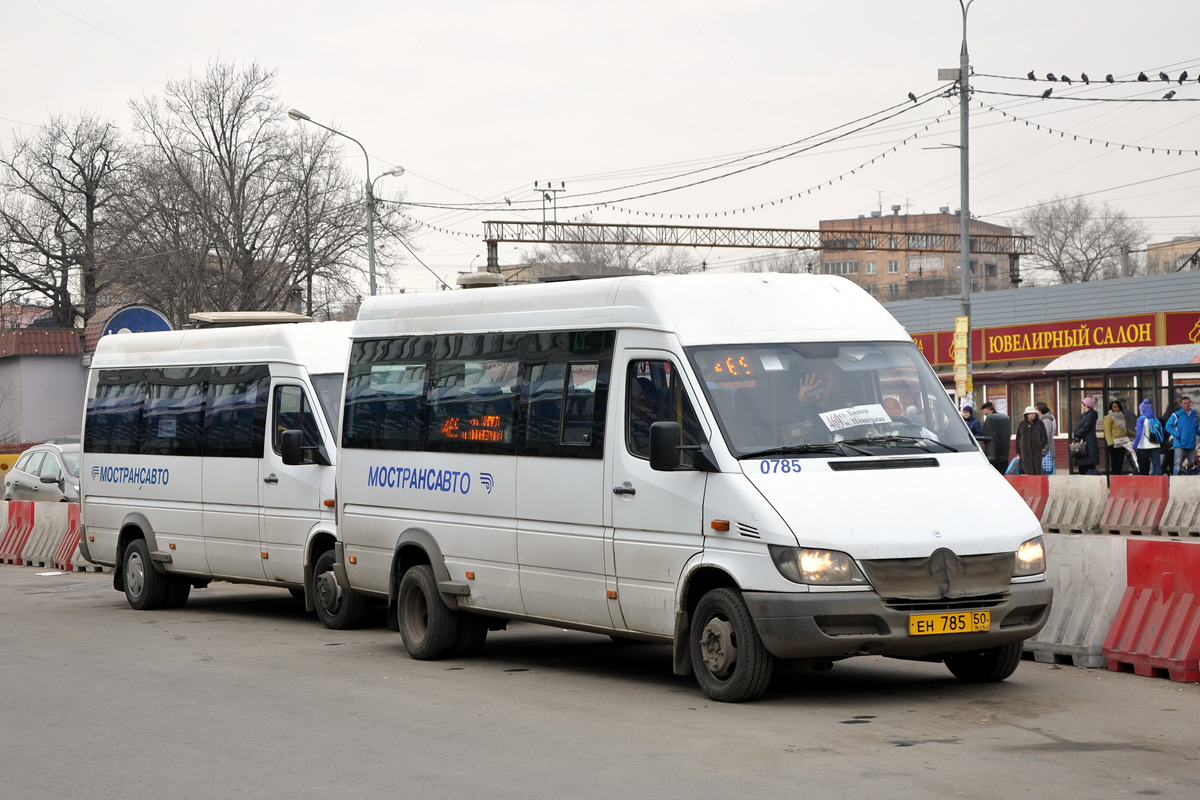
(1031, 558)
(826, 567)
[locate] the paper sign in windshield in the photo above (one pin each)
(843, 418)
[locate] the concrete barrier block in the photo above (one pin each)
(1135, 505)
(1182, 514)
(49, 525)
(1089, 577)
(1074, 504)
(19, 526)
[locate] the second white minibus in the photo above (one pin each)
(747, 467)
(209, 454)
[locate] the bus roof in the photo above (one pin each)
(317, 346)
(698, 308)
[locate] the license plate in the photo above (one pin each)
(961, 622)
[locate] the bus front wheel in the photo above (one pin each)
(338, 607)
(731, 662)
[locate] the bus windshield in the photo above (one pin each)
(812, 396)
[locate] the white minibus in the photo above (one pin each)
(209, 454)
(748, 467)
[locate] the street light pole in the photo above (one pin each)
(369, 190)
(964, 214)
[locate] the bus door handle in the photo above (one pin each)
(626, 489)
(271, 479)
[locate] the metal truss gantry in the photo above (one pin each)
(750, 238)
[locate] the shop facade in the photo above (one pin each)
(1135, 339)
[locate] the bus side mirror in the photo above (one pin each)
(289, 447)
(665, 438)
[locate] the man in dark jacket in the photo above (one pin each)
(998, 426)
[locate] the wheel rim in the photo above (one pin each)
(328, 592)
(718, 647)
(135, 574)
(416, 615)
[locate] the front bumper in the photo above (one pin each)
(842, 624)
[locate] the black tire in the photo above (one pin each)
(145, 587)
(729, 658)
(470, 636)
(986, 666)
(178, 590)
(427, 624)
(338, 607)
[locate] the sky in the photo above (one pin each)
(478, 100)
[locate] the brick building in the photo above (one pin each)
(897, 275)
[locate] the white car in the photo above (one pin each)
(46, 473)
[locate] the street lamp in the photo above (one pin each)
(369, 189)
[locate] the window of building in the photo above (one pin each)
(893, 288)
(893, 242)
(893, 267)
(871, 268)
(923, 264)
(841, 267)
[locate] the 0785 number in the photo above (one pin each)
(770, 465)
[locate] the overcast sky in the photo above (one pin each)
(477, 100)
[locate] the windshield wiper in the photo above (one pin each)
(813, 447)
(921, 441)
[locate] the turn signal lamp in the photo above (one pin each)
(719, 524)
(330, 504)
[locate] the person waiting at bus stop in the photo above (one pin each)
(1117, 435)
(1031, 442)
(998, 428)
(1085, 431)
(1148, 453)
(1182, 427)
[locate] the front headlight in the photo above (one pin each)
(1031, 558)
(825, 567)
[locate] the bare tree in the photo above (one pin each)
(1075, 241)
(243, 210)
(59, 188)
(790, 261)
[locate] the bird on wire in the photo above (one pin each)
(1182, 77)
(912, 97)
(1165, 76)
(1142, 76)
(1169, 95)
(1050, 77)
(1110, 78)
(1031, 76)
(1046, 93)
(1065, 80)
(1083, 77)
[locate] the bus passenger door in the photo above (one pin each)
(293, 494)
(230, 469)
(656, 515)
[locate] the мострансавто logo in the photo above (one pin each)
(139, 476)
(429, 479)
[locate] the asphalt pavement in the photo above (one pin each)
(242, 694)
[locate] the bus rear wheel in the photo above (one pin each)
(731, 663)
(427, 624)
(338, 607)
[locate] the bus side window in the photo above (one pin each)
(294, 413)
(654, 393)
